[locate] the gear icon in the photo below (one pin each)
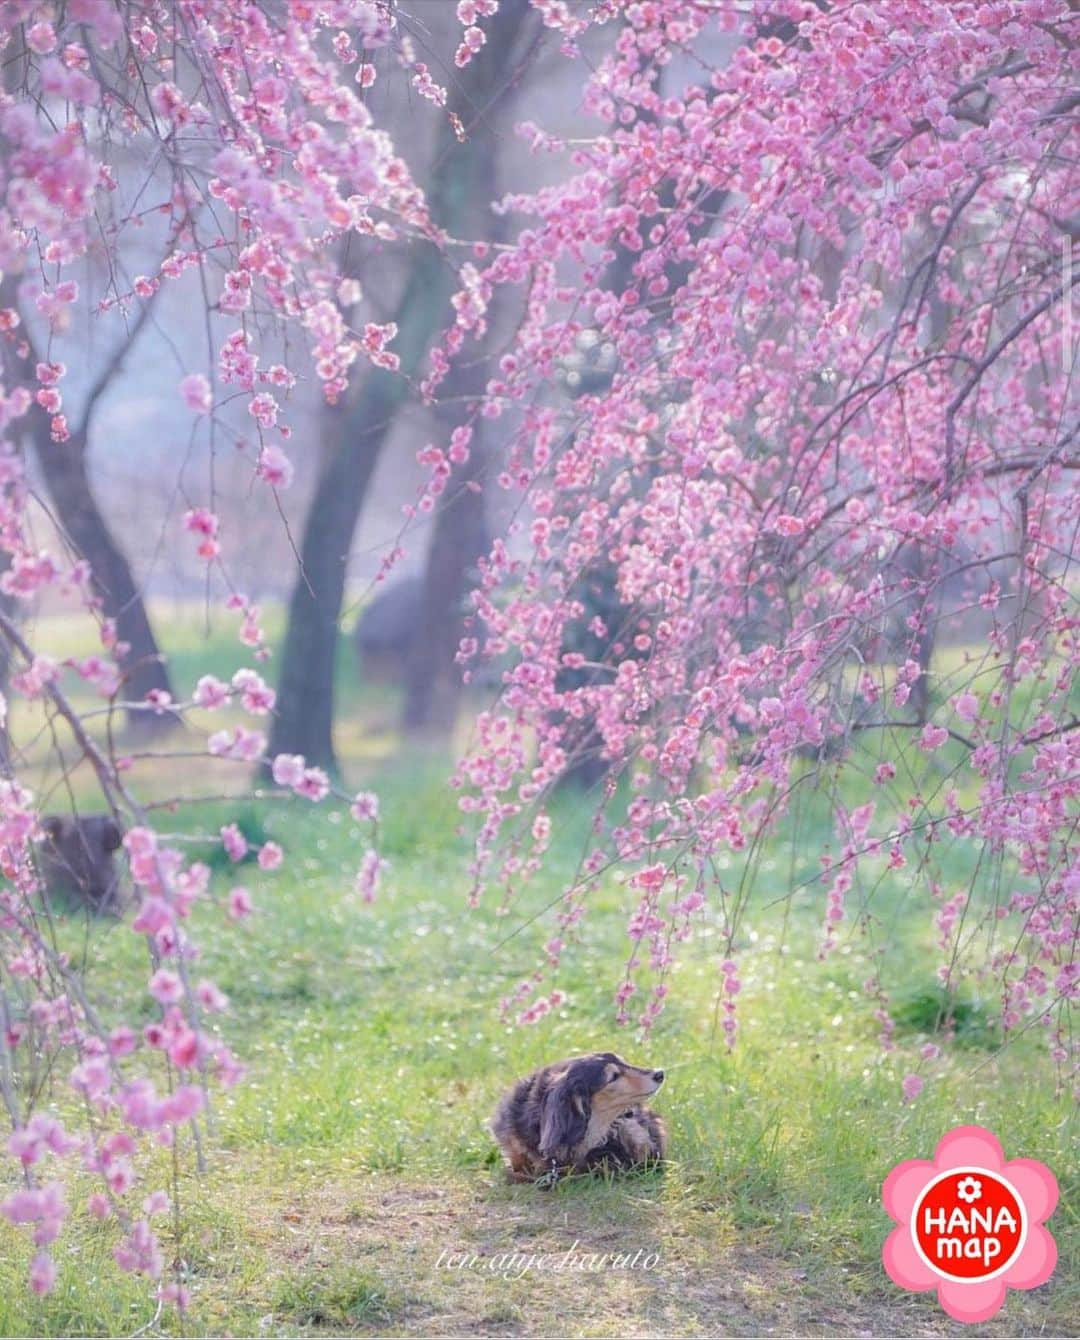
(969, 1189)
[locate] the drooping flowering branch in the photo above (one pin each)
(244, 135)
(841, 417)
(837, 411)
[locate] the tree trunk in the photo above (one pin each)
(303, 721)
(460, 537)
(359, 426)
(459, 540)
(64, 467)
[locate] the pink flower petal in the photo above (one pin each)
(971, 1302)
(902, 1187)
(1036, 1261)
(1037, 1186)
(970, 1147)
(903, 1264)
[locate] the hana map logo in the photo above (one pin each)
(969, 1224)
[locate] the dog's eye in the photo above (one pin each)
(613, 1078)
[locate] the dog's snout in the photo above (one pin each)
(658, 1076)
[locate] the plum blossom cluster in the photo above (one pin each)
(257, 126)
(838, 427)
(141, 1085)
(49, 1024)
(822, 257)
(260, 126)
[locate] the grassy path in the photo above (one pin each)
(356, 1151)
(388, 1254)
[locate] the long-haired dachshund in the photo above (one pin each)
(579, 1114)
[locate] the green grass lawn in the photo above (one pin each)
(356, 1152)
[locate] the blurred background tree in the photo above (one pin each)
(353, 433)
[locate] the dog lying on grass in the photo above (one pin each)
(577, 1115)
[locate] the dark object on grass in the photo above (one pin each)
(78, 862)
(580, 1114)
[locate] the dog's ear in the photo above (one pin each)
(564, 1119)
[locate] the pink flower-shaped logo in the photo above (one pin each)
(969, 1224)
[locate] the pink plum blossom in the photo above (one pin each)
(42, 1273)
(166, 986)
(274, 467)
(365, 806)
(270, 856)
(234, 842)
(966, 706)
(240, 905)
(932, 737)
(211, 693)
(195, 393)
(912, 1086)
(288, 769)
(314, 784)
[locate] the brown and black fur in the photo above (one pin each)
(77, 860)
(580, 1114)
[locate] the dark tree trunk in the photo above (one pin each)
(460, 537)
(459, 540)
(357, 429)
(64, 467)
(303, 722)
